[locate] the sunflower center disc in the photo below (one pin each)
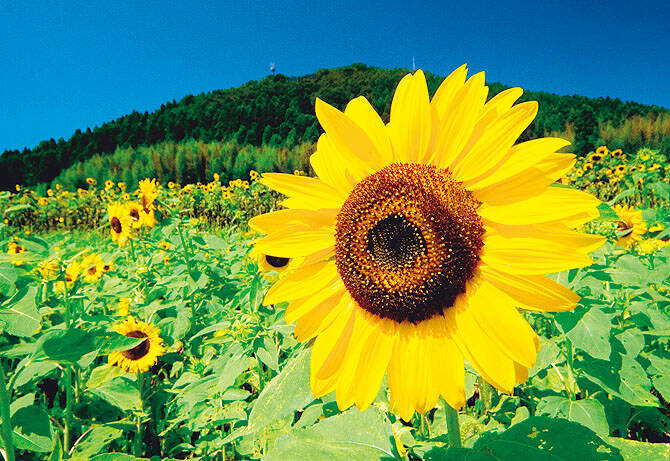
(140, 350)
(407, 240)
(116, 225)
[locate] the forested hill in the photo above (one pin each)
(279, 110)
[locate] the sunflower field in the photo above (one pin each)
(153, 322)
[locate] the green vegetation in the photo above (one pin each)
(279, 111)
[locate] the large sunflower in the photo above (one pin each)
(421, 237)
(144, 355)
(630, 226)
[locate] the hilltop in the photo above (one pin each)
(279, 111)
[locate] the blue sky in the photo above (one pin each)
(69, 65)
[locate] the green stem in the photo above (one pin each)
(7, 429)
(137, 441)
(453, 429)
(67, 426)
(485, 393)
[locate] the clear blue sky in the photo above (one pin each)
(68, 65)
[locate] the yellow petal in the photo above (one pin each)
(309, 193)
(483, 354)
(527, 256)
(330, 295)
(410, 128)
(496, 315)
(360, 111)
(555, 232)
(534, 292)
(503, 101)
(446, 92)
(494, 144)
(279, 221)
(459, 122)
(531, 182)
(321, 317)
(302, 282)
(448, 369)
(556, 203)
(349, 140)
(521, 157)
(330, 167)
(330, 346)
(290, 243)
(365, 361)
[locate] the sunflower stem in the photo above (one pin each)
(453, 429)
(137, 441)
(7, 429)
(485, 393)
(67, 426)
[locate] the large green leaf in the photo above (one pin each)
(542, 438)
(64, 346)
(120, 392)
(32, 429)
(94, 442)
(590, 332)
(7, 279)
(351, 436)
(588, 412)
(632, 450)
(19, 316)
(284, 394)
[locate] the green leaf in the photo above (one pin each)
(120, 392)
(588, 412)
(620, 376)
(549, 353)
(456, 454)
(116, 457)
(545, 438)
(33, 371)
(112, 341)
(7, 279)
(94, 442)
(592, 333)
(632, 450)
(32, 429)
(661, 189)
(284, 394)
(64, 346)
(351, 436)
(19, 316)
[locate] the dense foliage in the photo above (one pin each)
(231, 382)
(279, 111)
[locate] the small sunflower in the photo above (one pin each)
(654, 167)
(14, 248)
(148, 192)
(630, 226)
(594, 158)
(267, 263)
(143, 356)
(253, 175)
(602, 151)
(48, 269)
(588, 166)
(119, 223)
(109, 184)
(617, 153)
(90, 181)
(620, 169)
(92, 268)
(170, 185)
(656, 228)
(644, 155)
(650, 246)
(164, 245)
(134, 211)
(420, 238)
(579, 172)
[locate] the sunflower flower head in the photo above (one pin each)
(602, 151)
(119, 223)
(630, 226)
(419, 238)
(48, 269)
(617, 153)
(14, 248)
(145, 354)
(92, 268)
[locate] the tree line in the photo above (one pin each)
(278, 111)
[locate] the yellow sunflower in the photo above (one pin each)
(109, 184)
(595, 158)
(48, 269)
(92, 268)
(630, 226)
(148, 192)
(620, 169)
(420, 238)
(14, 248)
(143, 356)
(134, 211)
(602, 151)
(588, 166)
(90, 181)
(119, 223)
(72, 272)
(617, 153)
